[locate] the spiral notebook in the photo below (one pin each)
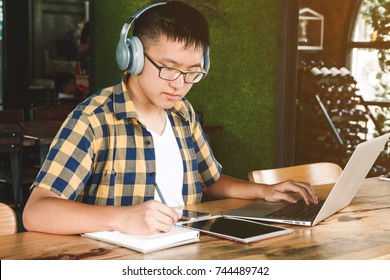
(147, 243)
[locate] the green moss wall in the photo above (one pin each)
(240, 91)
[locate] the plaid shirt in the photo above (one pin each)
(103, 155)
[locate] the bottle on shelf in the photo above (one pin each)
(351, 88)
(316, 72)
(317, 69)
(325, 72)
(339, 116)
(351, 128)
(357, 114)
(346, 75)
(335, 72)
(330, 89)
(344, 72)
(303, 65)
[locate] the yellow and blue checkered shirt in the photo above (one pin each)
(103, 155)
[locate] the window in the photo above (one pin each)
(370, 49)
(370, 57)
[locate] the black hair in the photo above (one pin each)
(61, 79)
(176, 20)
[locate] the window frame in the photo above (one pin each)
(351, 44)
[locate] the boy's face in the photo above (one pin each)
(159, 92)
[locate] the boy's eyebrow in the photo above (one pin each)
(169, 60)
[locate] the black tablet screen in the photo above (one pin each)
(232, 227)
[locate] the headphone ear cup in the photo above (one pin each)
(206, 60)
(136, 50)
(123, 54)
(130, 52)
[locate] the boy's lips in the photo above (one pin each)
(172, 96)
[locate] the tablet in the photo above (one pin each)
(193, 215)
(236, 229)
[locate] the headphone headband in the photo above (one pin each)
(126, 27)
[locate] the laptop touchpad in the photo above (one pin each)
(258, 208)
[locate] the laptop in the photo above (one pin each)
(337, 196)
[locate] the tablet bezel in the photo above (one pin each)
(280, 230)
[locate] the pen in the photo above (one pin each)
(160, 194)
(385, 177)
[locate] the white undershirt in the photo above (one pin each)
(169, 166)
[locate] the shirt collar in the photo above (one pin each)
(124, 107)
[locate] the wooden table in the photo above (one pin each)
(359, 231)
(42, 133)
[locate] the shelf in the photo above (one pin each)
(332, 119)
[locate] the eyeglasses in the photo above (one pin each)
(171, 74)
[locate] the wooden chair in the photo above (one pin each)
(314, 173)
(56, 112)
(15, 170)
(8, 220)
(12, 115)
(11, 145)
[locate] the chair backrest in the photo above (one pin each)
(11, 130)
(8, 220)
(56, 112)
(12, 115)
(11, 144)
(11, 137)
(314, 173)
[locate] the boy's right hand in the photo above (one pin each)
(146, 218)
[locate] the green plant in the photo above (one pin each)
(376, 13)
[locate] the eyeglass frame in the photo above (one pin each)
(175, 69)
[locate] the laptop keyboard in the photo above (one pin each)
(297, 211)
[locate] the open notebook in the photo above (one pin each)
(148, 243)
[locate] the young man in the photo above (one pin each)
(140, 136)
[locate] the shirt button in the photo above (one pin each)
(147, 142)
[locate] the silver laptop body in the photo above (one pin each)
(340, 196)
